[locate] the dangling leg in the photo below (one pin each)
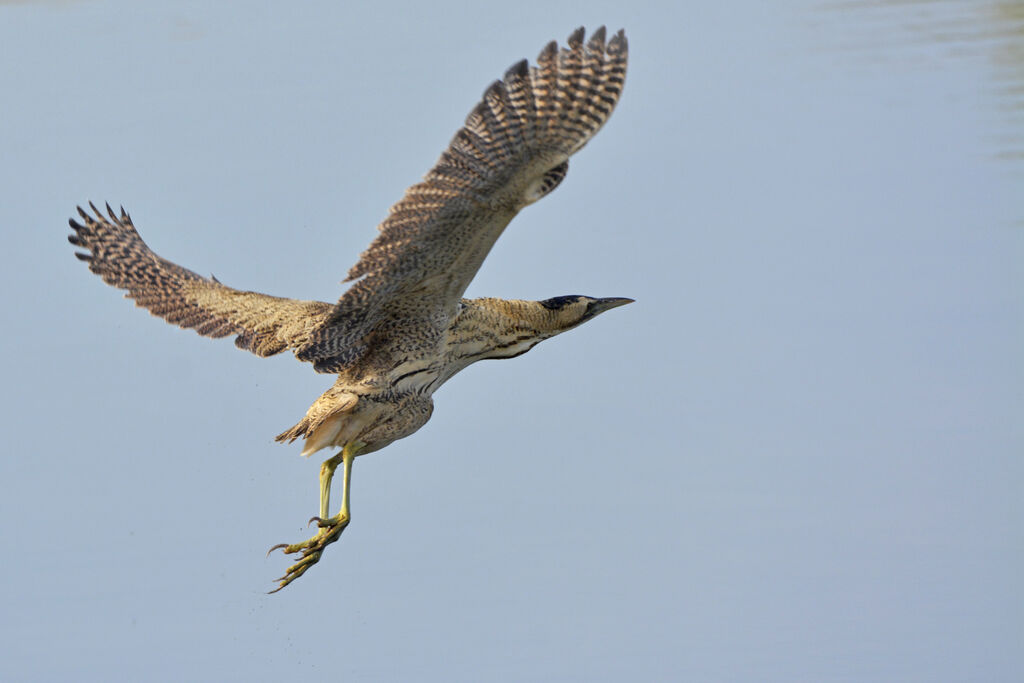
(326, 475)
(330, 527)
(348, 454)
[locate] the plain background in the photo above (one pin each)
(796, 458)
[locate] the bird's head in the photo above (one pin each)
(570, 311)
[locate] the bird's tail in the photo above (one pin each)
(325, 421)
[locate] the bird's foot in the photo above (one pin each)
(311, 549)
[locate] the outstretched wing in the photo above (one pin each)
(263, 324)
(513, 149)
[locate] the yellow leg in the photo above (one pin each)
(347, 456)
(330, 527)
(326, 474)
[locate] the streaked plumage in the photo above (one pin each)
(402, 329)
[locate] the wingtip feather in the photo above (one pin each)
(520, 69)
(548, 52)
(618, 43)
(575, 39)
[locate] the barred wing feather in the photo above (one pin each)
(263, 324)
(513, 149)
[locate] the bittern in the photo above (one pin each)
(402, 329)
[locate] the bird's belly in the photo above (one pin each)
(375, 422)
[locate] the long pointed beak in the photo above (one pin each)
(601, 305)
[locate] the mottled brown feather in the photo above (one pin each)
(263, 324)
(512, 150)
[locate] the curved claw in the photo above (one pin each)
(311, 549)
(315, 518)
(309, 557)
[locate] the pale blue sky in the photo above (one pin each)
(796, 458)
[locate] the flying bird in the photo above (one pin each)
(402, 329)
